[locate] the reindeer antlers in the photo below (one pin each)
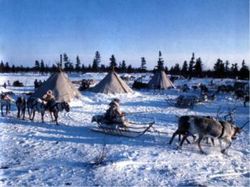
(218, 113)
(230, 114)
(244, 124)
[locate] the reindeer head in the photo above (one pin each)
(93, 119)
(238, 130)
(66, 106)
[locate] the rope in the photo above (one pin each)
(157, 131)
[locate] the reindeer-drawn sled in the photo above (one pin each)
(131, 130)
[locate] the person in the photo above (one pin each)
(36, 83)
(114, 114)
(6, 100)
(49, 98)
(5, 85)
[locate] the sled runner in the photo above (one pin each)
(132, 131)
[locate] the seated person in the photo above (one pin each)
(49, 98)
(114, 114)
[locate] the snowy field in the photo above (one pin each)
(44, 154)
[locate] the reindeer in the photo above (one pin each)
(36, 105)
(246, 100)
(21, 107)
(58, 107)
(207, 127)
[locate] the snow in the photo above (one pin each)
(44, 154)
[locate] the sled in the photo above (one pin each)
(132, 131)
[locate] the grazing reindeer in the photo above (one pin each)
(207, 127)
(58, 107)
(21, 107)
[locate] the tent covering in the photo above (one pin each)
(63, 89)
(160, 80)
(112, 84)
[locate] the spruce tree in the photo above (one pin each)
(78, 64)
(160, 62)
(113, 63)
(198, 67)
(191, 66)
(143, 64)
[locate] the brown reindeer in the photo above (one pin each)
(206, 127)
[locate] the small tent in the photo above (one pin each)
(63, 89)
(112, 84)
(160, 80)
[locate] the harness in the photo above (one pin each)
(223, 129)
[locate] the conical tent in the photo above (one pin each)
(63, 89)
(112, 84)
(160, 81)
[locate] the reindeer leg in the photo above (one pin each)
(199, 144)
(188, 141)
(171, 140)
(212, 140)
(183, 139)
(52, 119)
(33, 115)
(224, 150)
(42, 115)
(56, 117)
(24, 113)
(18, 113)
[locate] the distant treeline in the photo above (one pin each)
(188, 69)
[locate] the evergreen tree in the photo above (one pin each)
(96, 61)
(234, 69)
(184, 70)
(227, 66)
(219, 68)
(244, 71)
(160, 62)
(7, 67)
(2, 67)
(60, 64)
(176, 69)
(42, 66)
(113, 63)
(143, 64)
(130, 69)
(191, 66)
(78, 64)
(198, 67)
(37, 65)
(66, 62)
(123, 66)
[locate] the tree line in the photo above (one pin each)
(188, 69)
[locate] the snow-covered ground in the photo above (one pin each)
(43, 154)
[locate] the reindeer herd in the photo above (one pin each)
(33, 105)
(195, 126)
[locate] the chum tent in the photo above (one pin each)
(62, 88)
(161, 81)
(112, 84)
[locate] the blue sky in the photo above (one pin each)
(129, 29)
